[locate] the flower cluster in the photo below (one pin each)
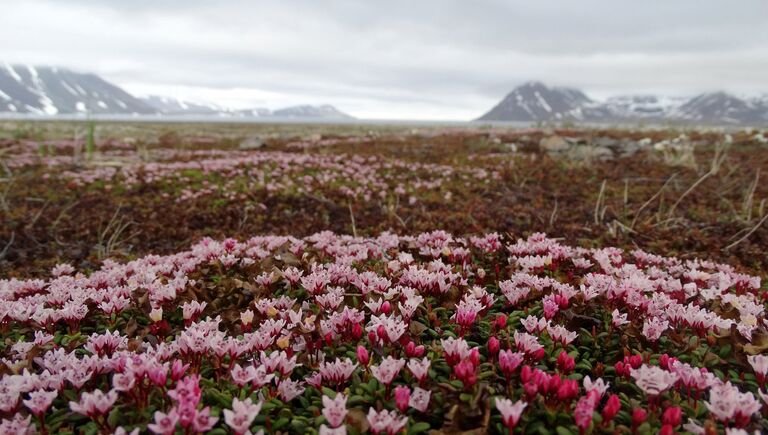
(338, 334)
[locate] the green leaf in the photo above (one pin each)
(419, 427)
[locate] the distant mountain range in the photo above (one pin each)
(47, 90)
(536, 102)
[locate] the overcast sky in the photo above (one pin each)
(395, 59)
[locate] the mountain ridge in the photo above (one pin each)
(534, 101)
(51, 91)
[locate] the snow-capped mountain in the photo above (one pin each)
(324, 111)
(724, 108)
(173, 106)
(51, 91)
(640, 106)
(536, 102)
(44, 90)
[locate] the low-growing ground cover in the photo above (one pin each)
(444, 308)
(336, 333)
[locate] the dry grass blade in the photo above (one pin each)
(600, 207)
(762, 221)
(687, 192)
(653, 198)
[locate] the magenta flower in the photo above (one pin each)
(509, 361)
(242, 414)
(402, 397)
(362, 355)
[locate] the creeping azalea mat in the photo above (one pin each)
(339, 334)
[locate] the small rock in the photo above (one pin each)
(588, 153)
(608, 142)
(553, 144)
(251, 143)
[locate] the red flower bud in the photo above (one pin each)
(382, 332)
(474, 357)
(673, 416)
(667, 430)
(568, 390)
(638, 416)
(493, 346)
(362, 355)
(565, 363)
(611, 408)
(402, 397)
(526, 373)
(357, 331)
(501, 321)
(418, 352)
(386, 307)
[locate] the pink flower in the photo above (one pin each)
(325, 430)
(509, 361)
(385, 421)
(39, 401)
(203, 422)
(289, 390)
(402, 397)
(123, 381)
(466, 312)
(420, 399)
(585, 407)
(455, 350)
(618, 318)
(559, 333)
(466, 372)
(337, 372)
(187, 392)
(419, 368)
(19, 425)
(510, 412)
(759, 364)
(654, 327)
(387, 370)
(598, 385)
(335, 410)
(94, 403)
(165, 424)
(728, 404)
(653, 380)
(242, 414)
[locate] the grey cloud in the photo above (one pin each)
(458, 57)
